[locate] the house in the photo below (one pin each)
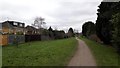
(30, 30)
(10, 30)
(34, 34)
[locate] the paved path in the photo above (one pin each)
(83, 56)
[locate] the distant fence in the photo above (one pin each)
(29, 38)
(13, 39)
(16, 38)
(45, 37)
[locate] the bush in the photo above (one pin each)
(116, 32)
(88, 28)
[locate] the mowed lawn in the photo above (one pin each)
(40, 53)
(104, 55)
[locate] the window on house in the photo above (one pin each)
(15, 23)
(21, 25)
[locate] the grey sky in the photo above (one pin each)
(111, 0)
(60, 14)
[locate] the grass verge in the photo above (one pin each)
(40, 53)
(104, 55)
(0, 56)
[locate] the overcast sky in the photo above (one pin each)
(60, 14)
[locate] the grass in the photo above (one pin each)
(104, 55)
(0, 56)
(40, 53)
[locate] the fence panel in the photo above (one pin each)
(16, 38)
(21, 38)
(3, 40)
(29, 38)
(45, 37)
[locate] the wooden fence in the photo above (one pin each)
(11, 39)
(16, 38)
(29, 38)
(3, 39)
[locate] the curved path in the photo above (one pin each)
(83, 56)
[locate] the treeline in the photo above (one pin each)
(56, 34)
(47, 34)
(107, 26)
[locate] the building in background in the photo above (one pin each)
(11, 30)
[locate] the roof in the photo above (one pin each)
(31, 27)
(12, 23)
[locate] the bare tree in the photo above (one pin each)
(39, 21)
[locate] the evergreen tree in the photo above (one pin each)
(50, 28)
(51, 34)
(103, 24)
(70, 32)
